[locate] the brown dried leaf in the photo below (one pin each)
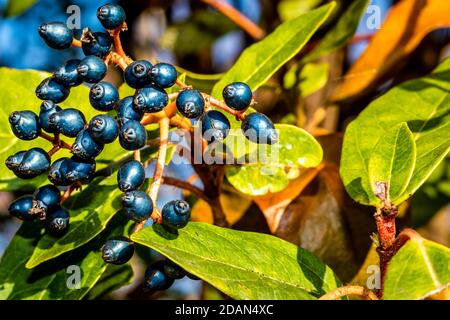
(406, 25)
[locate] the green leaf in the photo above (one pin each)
(17, 7)
(49, 280)
(278, 164)
(291, 9)
(419, 269)
(202, 82)
(392, 161)
(433, 195)
(313, 77)
(341, 33)
(261, 60)
(112, 279)
(90, 211)
(424, 104)
(243, 265)
(17, 93)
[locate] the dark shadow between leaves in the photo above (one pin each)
(166, 233)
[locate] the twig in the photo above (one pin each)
(362, 37)
(181, 123)
(186, 186)
(385, 221)
(119, 60)
(137, 155)
(237, 17)
(240, 115)
(115, 34)
(55, 141)
(53, 150)
(69, 192)
(159, 170)
(365, 293)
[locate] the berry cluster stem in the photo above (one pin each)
(117, 42)
(56, 141)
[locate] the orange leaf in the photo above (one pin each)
(406, 25)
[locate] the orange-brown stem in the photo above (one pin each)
(240, 115)
(237, 17)
(55, 141)
(359, 291)
(76, 43)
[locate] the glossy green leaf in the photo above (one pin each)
(313, 77)
(114, 277)
(17, 89)
(424, 104)
(17, 7)
(275, 165)
(202, 82)
(432, 196)
(291, 9)
(340, 34)
(90, 211)
(243, 265)
(261, 60)
(53, 280)
(419, 269)
(392, 161)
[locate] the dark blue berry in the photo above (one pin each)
(56, 35)
(150, 99)
(96, 43)
(132, 135)
(259, 129)
(117, 250)
(50, 89)
(57, 222)
(67, 74)
(137, 74)
(85, 147)
(47, 198)
(164, 75)
(215, 126)
(138, 205)
(237, 95)
(92, 69)
(111, 16)
(25, 124)
(79, 170)
(156, 279)
(58, 172)
(68, 122)
(47, 109)
(35, 162)
(103, 129)
(13, 161)
(103, 96)
(126, 111)
(173, 270)
(21, 207)
(190, 103)
(176, 214)
(130, 176)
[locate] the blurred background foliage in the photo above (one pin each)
(314, 211)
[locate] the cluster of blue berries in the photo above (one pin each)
(150, 82)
